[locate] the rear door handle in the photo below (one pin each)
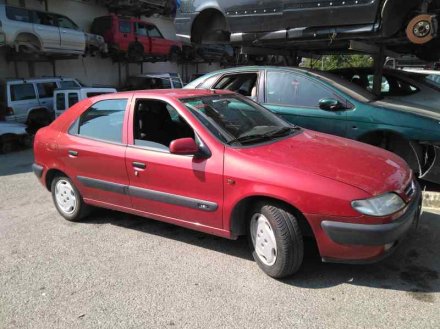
(139, 165)
(73, 153)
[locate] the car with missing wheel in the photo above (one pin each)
(404, 26)
(327, 103)
(217, 162)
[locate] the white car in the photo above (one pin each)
(30, 100)
(65, 98)
(31, 30)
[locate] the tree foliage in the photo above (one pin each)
(332, 62)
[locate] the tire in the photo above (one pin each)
(276, 240)
(68, 200)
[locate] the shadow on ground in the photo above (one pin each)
(414, 268)
(19, 162)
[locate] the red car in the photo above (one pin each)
(217, 162)
(135, 38)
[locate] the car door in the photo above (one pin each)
(46, 28)
(22, 98)
(93, 152)
(141, 32)
(174, 188)
(296, 97)
(159, 45)
(72, 38)
(316, 13)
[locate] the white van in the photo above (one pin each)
(30, 100)
(65, 98)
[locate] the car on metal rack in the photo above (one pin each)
(325, 102)
(135, 38)
(406, 26)
(217, 162)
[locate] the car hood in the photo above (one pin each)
(425, 111)
(368, 168)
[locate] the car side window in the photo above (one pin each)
(157, 124)
(244, 84)
(18, 14)
(45, 19)
(21, 92)
(66, 23)
(45, 89)
(286, 88)
(60, 102)
(103, 120)
(153, 32)
(69, 84)
(141, 29)
(125, 27)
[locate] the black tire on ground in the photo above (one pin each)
(288, 237)
(80, 210)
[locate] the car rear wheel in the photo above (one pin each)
(68, 200)
(276, 240)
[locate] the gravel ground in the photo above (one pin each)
(121, 271)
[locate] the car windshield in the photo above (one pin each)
(238, 121)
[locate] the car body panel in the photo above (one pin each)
(318, 174)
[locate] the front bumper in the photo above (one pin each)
(375, 235)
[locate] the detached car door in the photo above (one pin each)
(296, 98)
(72, 38)
(173, 188)
(93, 152)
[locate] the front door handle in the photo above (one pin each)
(73, 153)
(139, 165)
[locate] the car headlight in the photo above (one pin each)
(379, 206)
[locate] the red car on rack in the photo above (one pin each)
(215, 161)
(135, 38)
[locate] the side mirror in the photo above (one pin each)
(184, 146)
(330, 104)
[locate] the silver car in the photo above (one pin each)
(37, 31)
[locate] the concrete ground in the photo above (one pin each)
(121, 271)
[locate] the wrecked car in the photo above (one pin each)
(407, 26)
(325, 102)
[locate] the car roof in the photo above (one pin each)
(86, 89)
(156, 75)
(175, 93)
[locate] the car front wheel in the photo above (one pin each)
(68, 200)
(276, 240)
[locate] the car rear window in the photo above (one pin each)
(18, 14)
(177, 83)
(60, 102)
(72, 99)
(21, 92)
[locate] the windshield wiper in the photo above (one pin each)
(267, 136)
(249, 139)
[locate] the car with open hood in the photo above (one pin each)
(325, 102)
(217, 162)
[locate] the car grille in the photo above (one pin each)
(410, 190)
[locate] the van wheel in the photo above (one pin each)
(276, 240)
(68, 200)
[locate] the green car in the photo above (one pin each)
(324, 102)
